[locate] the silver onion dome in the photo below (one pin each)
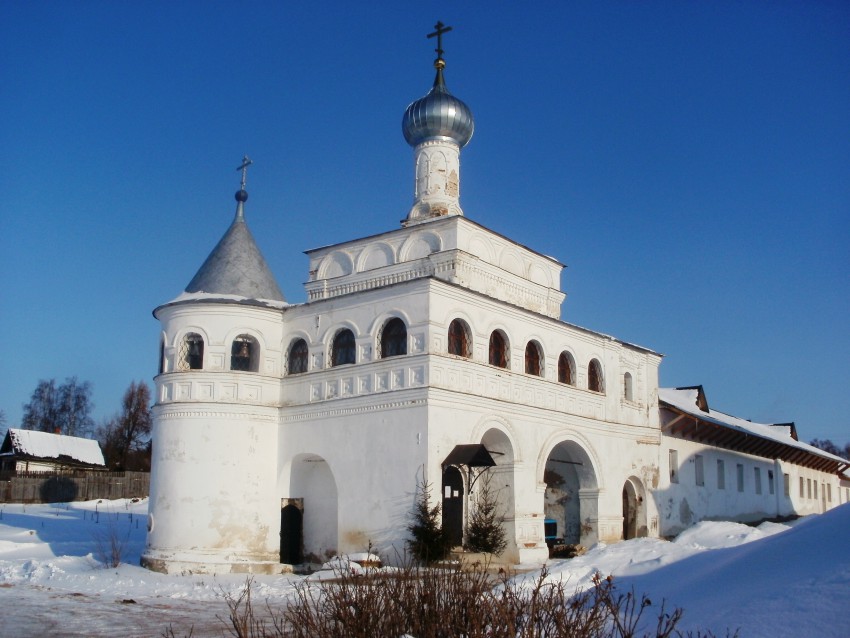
(438, 115)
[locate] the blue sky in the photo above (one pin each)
(688, 161)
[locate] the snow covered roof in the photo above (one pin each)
(724, 430)
(212, 297)
(44, 445)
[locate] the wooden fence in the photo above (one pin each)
(62, 487)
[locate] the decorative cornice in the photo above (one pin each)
(313, 414)
(165, 413)
(457, 267)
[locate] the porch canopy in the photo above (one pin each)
(469, 455)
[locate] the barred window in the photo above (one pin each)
(393, 338)
(533, 364)
(342, 350)
(191, 352)
(498, 349)
(594, 376)
(459, 342)
(566, 369)
(297, 360)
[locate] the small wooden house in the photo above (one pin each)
(32, 451)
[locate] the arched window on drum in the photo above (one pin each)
(245, 354)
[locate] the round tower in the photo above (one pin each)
(213, 505)
(437, 126)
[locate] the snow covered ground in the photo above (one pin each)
(775, 580)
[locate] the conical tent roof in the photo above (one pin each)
(236, 267)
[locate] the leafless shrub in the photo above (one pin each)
(110, 544)
(441, 603)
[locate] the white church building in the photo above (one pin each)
(286, 433)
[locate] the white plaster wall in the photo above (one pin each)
(219, 324)
(366, 422)
(615, 455)
(213, 501)
(623, 434)
(375, 449)
(485, 315)
(684, 503)
(452, 248)
(214, 506)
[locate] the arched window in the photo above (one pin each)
(566, 369)
(342, 349)
(191, 353)
(627, 386)
(459, 342)
(594, 376)
(393, 338)
(245, 354)
(533, 364)
(297, 360)
(498, 349)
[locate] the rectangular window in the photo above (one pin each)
(721, 474)
(816, 489)
(802, 488)
(740, 477)
(829, 493)
(757, 476)
(699, 472)
(809, 488)
(786, 485)
(674, 466)
(770, 481)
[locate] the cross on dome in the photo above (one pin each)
(440, 30)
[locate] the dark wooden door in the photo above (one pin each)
(291, 529)
(453, 505)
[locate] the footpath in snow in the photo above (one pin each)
(775, 580)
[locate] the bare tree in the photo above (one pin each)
(42, 412)
(828, 446)
(124, 437)
(75, 406)
(64, 409)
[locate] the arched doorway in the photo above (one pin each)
(502, 483)
(572, 494)
(312, 482)
(453, 495)
(634, 509)
(291, 531)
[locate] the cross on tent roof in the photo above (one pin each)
(440, 30)
(246, 162)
